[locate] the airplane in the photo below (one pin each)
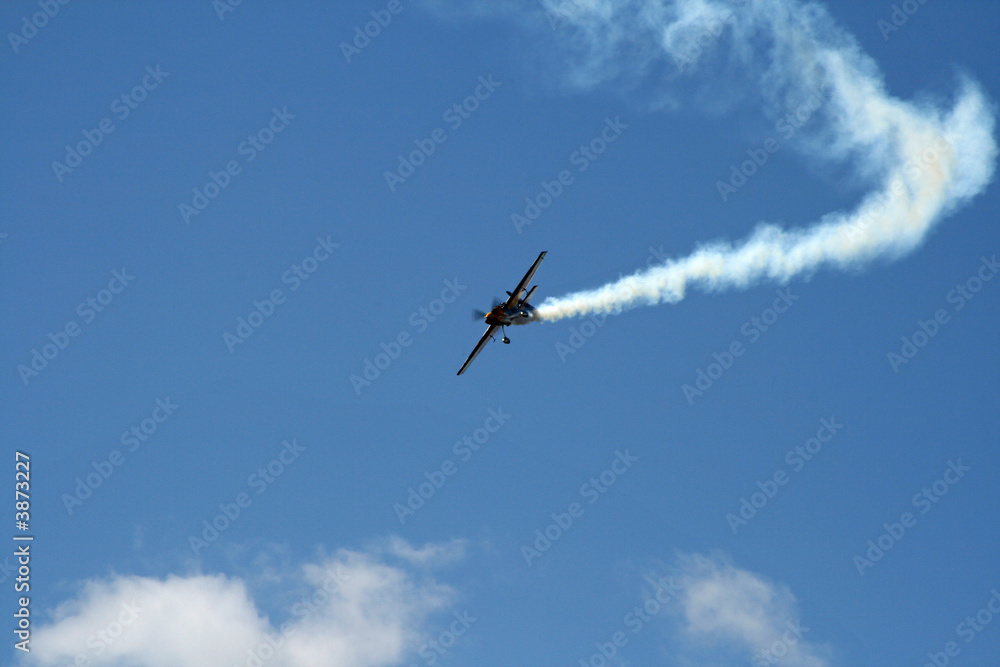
(516, 310)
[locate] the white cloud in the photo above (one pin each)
(725, 611)
(356, 610)
(429, 554)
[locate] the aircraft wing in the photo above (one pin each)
(516, 294)
(479, 346)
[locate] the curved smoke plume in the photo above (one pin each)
(923, 160)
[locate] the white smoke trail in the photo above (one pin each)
(923, 161)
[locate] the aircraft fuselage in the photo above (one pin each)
(500, 316)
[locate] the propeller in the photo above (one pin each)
(479, 315)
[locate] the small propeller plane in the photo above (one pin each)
(516, 310)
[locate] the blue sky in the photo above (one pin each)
(146, 421)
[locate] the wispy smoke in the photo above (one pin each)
(923, 160)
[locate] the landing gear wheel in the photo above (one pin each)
(506, 340)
